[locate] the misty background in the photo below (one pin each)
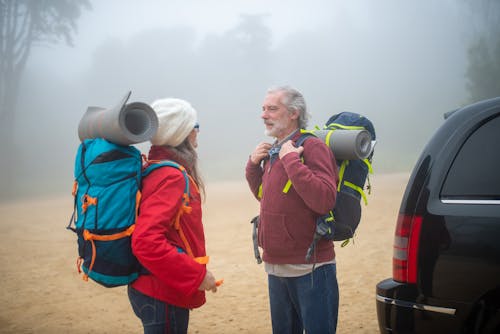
(402, 64)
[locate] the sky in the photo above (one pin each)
(123, 19)
(402, 64)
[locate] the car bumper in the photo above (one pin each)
(399, 310)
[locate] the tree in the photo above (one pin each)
(23, 25)
(483, 72)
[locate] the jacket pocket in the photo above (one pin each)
(274, 236)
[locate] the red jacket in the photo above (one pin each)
(288, 220)
(174, 276)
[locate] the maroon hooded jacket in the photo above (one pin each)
(288, 219)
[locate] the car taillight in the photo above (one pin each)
(406, 240)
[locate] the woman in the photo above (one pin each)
(168, 239)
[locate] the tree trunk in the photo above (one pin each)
(9, 91)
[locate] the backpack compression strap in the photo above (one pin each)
(343, 166)
(332, 127)
(88, 236)
(351, 185)
(91, 237)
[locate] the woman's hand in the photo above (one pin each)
(208, 283)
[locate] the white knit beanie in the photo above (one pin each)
(176, 119)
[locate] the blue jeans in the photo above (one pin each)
(158, 317)
(308, 302)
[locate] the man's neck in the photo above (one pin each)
(283, 139)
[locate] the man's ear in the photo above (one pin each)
(294, 115)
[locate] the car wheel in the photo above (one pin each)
(492, 323)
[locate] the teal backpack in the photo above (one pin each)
(107, 194)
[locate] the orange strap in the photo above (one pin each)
(75, 188)
(138, 196)
(202, 259)
(86, 276)
(91, 237)
(189, 251)
(194, 183)
(185, 208)
(178, 227)
(87, 200)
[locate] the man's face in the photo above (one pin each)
(277, 119)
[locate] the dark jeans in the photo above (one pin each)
(158, 317)
(308, 302)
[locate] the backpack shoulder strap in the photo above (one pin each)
(185, 208)
(169, 163)
(304, 135)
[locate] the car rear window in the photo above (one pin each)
(475, 172)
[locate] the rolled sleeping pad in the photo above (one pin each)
(124, 124)
(347, 144)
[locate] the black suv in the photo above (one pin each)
(446, 260)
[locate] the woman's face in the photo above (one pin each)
(193, 137)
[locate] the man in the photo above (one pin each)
(302, 295)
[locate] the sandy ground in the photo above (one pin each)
(42, 292)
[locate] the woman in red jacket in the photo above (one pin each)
(169, 247)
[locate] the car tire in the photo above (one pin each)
(492, 324)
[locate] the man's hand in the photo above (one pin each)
(260, 153)
(288, 147)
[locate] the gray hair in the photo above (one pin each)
(294, 101)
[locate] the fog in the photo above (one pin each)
(402, 64)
